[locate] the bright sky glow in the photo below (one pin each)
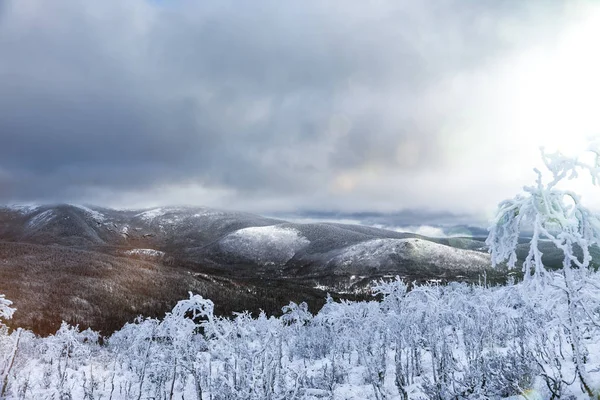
(557, 98)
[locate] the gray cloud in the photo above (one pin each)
(255, 105)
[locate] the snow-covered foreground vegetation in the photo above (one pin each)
(538, 339)
(429, 342)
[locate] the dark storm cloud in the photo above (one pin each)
(257, 98)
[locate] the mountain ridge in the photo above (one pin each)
(223, 250)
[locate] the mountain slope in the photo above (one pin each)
(225, 238)
(100, 267)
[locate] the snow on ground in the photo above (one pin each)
(22, 208)
(145, 252)
(97, 216)
(164, 216)
(152, 214)
(376, 252)
(208, 213)
(267, 245)
(446, 256)
(41, 218)
(174, 215)
(445, 342)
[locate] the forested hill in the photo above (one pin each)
(100, 267)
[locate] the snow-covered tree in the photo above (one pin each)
(550, 213)
(6, 311)
(179, 330)
(556, 215)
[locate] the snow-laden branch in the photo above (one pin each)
(6, 311)
(549, 213)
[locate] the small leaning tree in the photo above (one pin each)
(6, 312)
(547, 213)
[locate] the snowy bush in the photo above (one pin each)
(433, 341)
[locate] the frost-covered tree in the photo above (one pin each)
(68, 349)
(6, 311)
(550, 213)
(556, 215)
(179, 330)
(135, 344)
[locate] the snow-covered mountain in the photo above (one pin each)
(227, 239)
(385, 253)
(82, 256)
(264, 245)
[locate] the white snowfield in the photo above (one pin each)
(145, 252)
(374, 253)
(265, 245)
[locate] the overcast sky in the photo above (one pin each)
(346, 106)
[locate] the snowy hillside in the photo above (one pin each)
(20, 208)
(96, 215)
(225, 238)
(379, 253)
(266, 245)
(40, 219)
(237, 257)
